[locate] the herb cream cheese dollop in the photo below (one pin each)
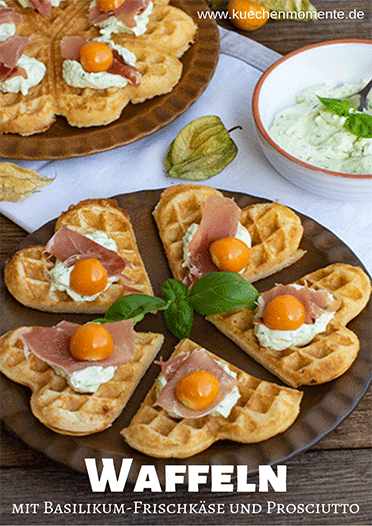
(35, 73)
(60, 275)
(279, 340)
(310, 132)
(87, 380)
(75, 75)
(7, 29)
(114, 25)
(241, 233)
(224, 407)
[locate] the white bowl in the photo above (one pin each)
(334, 62)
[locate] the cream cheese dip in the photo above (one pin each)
(317, 136)
(222, 409)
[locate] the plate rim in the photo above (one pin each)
(75, 457)
(159, 111)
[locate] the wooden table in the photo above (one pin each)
(336, 470)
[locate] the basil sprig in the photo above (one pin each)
(212, 294)
(133, 306)
(222, 292)
(359, 124)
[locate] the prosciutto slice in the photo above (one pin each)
(220, 219)
(44, 7)
(119, 67)
(316, 302)
(8, 15)
(11, 51)
(169, 368)
(126, 12)
(177, 368)
(70, 50)
(70, 47)
(51, 345)
(70, 247)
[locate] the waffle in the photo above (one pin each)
(59, 407)
(330, 353)
(169, 29)
(275, 230)
(26, 273)
(170, 33)
(263, 410)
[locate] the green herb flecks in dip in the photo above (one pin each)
(316, 135)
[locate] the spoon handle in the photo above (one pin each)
(363, 96)
(366, 89)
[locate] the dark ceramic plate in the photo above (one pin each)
(62, 141)
(322, 409)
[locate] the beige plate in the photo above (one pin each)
(62, 141)
(322, 408)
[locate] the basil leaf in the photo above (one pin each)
(339, 107)
(222, 292)
(174, 290)
(134, 306)
(359, 124)
(179, 318)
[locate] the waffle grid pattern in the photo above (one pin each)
(178, 208)
(171, 33)
(263, 410)
(276, 231)
(26, 274)
(348, 284)
(56, 404)
(169, 29)
(330, 353)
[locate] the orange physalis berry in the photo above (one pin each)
(247, 15)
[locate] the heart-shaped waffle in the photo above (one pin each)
(276, 231)
(57, 405)
(263, 410)
(27, 272)
(331, 352)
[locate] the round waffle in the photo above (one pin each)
(170, 32)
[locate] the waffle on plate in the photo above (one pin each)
(169, 34)
(61, 408)
(276, 231)
(263, 410)
(331, 352)
(27, 272)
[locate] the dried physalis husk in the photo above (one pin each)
(18, 183)
(294, 7)
(202, 149)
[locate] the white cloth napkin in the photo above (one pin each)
(139, 166)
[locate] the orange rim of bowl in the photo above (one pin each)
(260, 126)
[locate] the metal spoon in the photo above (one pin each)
(359, 99)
